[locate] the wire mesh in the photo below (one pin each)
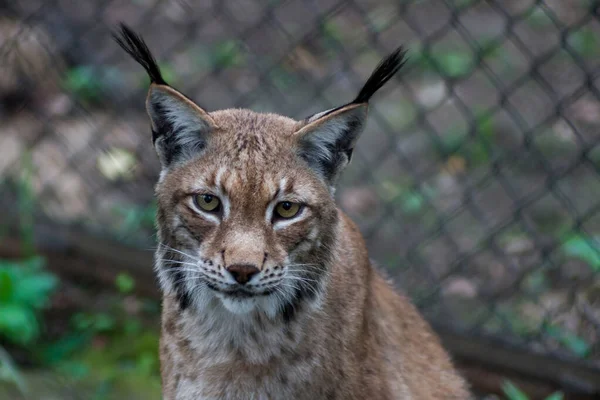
(476, 182)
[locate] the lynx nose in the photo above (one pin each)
(242, 273)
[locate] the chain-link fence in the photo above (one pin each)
(476, 182)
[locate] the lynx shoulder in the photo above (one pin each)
(268, 291)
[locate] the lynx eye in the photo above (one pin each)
(207, 202)
(287, 209)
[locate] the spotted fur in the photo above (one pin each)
(316, 320)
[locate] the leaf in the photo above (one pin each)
(485, 126)
(134, 218)
(18, 324)
(228, 54)
(584, 41)
(83, 81)
(571, 341)
(147, 363)
(132, 327)
(538, 18)
(584, 248)
(556, 396)
(412, 202)
(104, 322)
(454, 63)
(59, 350)
(6, 286)
(124, 282)
(75, 369)
(34, 290)
(82, 321)
(512, 392)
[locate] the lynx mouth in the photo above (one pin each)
(240, 292)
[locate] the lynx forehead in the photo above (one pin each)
(268, 291)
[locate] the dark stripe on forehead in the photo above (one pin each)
(289, 186)
(211, 179)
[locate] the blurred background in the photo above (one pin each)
(476, 183)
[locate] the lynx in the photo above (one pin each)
(268, 290)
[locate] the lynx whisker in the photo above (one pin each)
(180, 252)
(301, 279)
(166, 260)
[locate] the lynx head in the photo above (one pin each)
(246, 214)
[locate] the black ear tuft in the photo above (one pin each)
(135, 46)
(383, 73)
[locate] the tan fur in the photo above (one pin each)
(356, 339)
(268, 288)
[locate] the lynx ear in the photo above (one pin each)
(179, 126)
(326, 140)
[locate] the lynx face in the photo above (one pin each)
(246, 214)
(247, 221)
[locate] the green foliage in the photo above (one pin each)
(111, 348)
(83, 82)
(25, 288)
(134, 218)
(585, 248)
(538, 18)
(332, 32)
(125, 283)
(89, 82)
(584, 41)
(474, 148)
(536, 282)
(556, 396)
(411, 202)
(571, 341)
(512, 392)
(450, 63)
(454, 63)
(410, 199)
(491, 48)
(510, 316)
(227, 54)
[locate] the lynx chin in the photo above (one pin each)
(268, 290)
